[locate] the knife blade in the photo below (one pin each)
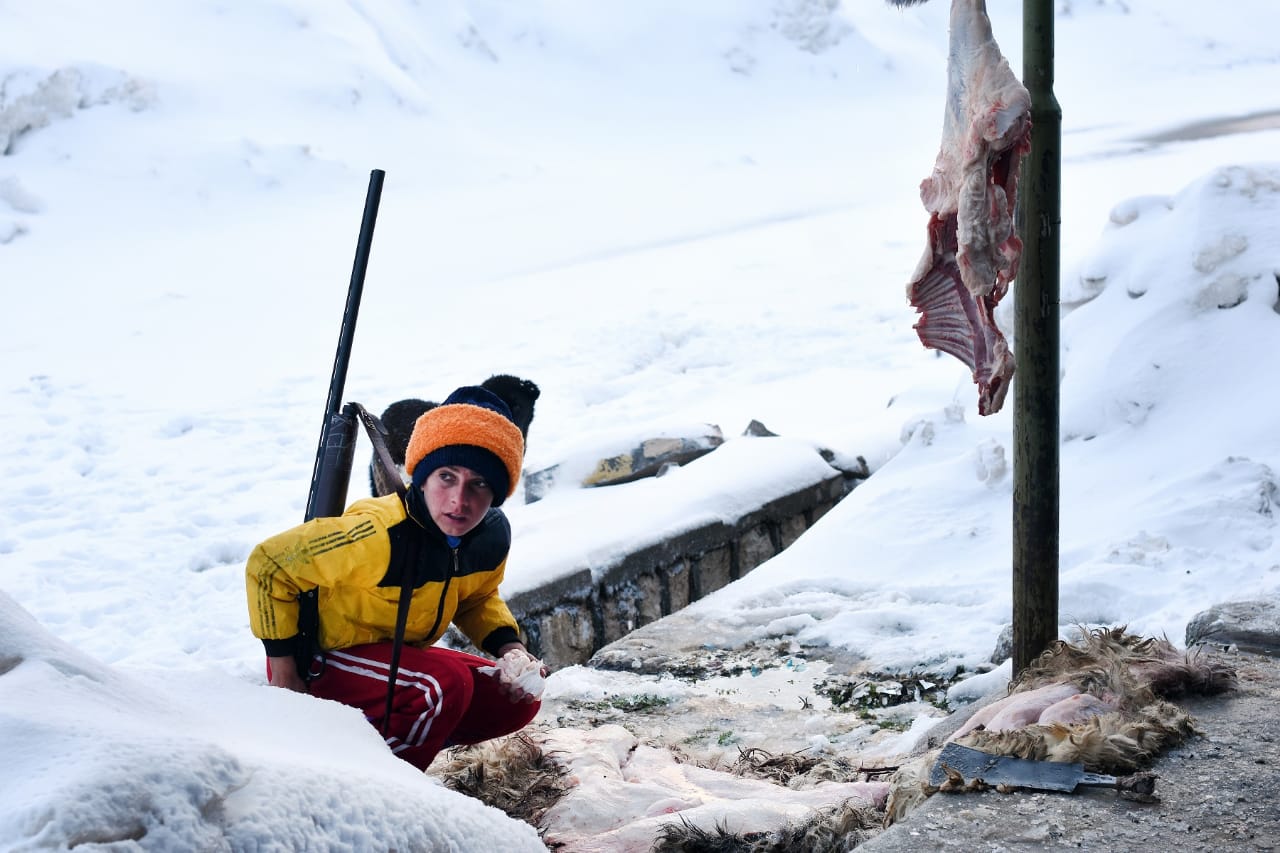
(974, 765)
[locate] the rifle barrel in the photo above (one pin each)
(338, 380)
(332, 470)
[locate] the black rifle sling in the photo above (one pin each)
(402, 616)
(308, 634)
(377, 436)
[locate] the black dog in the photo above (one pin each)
(399, 418)
(519, 395)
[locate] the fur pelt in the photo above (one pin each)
(832, 830)
(1111, 743)
(1133, 676)
(1136, 668)
(513, 774)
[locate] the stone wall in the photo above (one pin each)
(567, 620)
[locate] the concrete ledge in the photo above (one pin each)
(569, 619)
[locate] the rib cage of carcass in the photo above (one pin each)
(973, 250)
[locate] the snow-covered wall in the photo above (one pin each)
(570, 617)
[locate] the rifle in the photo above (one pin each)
(331, 473)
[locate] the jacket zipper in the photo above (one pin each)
(453, 570)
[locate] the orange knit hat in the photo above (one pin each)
(473, 428)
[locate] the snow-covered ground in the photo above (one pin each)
(661, 213)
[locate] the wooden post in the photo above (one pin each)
(1036, 341)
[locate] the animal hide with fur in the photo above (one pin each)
(1126, 678)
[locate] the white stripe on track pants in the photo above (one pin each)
(440, 699)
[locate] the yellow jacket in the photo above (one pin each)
(356, 560)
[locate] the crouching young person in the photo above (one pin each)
(464, 458)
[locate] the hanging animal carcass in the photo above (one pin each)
(973, 250)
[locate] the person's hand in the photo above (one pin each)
(284, 673)
(519, 673)
(502, 652)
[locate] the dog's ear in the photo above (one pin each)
(399, 419)
(519, 395)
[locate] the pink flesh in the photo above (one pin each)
(1028, 705)
(972, 251)
(1075, 709)
(1025, 708)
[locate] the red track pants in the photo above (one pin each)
(440, 699)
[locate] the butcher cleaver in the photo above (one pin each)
(974, 764)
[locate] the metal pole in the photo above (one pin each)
(1036, 403)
